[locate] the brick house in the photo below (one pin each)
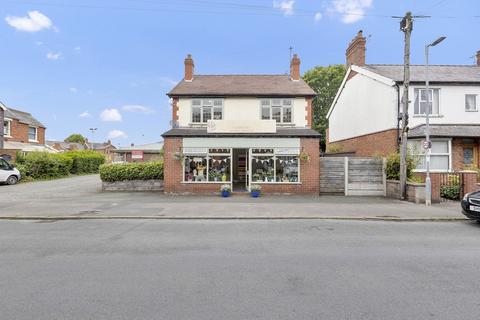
(365, 116)
(241, 130)
(21, 132)
(139, 153)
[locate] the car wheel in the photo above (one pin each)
(12, 180)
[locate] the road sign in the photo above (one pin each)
(427, 144)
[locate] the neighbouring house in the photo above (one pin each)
(242, 130)
(365, 117)
(21, 132)
(63, 146)
(106, 148)
(139, 153)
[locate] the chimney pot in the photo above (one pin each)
(189, 68)
(355, 54)
(295, 68)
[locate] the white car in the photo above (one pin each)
(8, 173)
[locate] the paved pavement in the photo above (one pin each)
(250, 269)
(81, 197)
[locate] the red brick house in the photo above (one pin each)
(21, 131)
(241, 130)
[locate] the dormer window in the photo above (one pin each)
(206, 109)
(277, 109)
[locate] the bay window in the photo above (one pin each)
(420, 105)
(279, 110)
(206, 109)
(440, 155)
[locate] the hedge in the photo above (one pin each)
(131, 171)
(43, 165)
(392, 169)
(85, 161)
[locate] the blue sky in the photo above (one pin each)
(80, 64)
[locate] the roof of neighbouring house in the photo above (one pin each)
(281, 133)
(23, 117)
(28, 147)
(66, 145)
(149, 147)
(99, 145)
(437, 73)
(447, 130)
(242, 85)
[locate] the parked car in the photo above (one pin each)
(471, 205)
(8, 173)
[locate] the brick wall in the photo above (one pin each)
(374, 144)
(19, 132)
(10, 152)
(469, 181)
(174, 110)
(309, 172)
(309, 112)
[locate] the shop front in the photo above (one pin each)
(278, 164)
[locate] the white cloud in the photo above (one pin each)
(77, 49)
(73, 90)
(117, 134)
(39, 43)
(137, 108)
(85, 114)
(111, 115)
(285, 6)
(54, 55)
(33, 22)
(351, 10)
(318, 16)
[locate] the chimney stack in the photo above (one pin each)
(295, 68)
(189, 66)
(356, 50)
(478, 58)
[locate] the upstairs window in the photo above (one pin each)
(420, 106)
(470, 102)
(32, 134)
(6, 128)
(206, 109)
(279, 110)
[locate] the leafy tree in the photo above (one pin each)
(325, 81)
(75, 137)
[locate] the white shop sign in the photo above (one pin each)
(242, 142)
(241, 126)
(288, 151)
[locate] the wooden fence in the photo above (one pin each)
(353, 176)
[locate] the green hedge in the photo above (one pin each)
(43, 165)
(392, 169)
(131, 171)
(85, 161)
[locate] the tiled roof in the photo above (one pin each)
(447, 130)
(23, 117)
(437, 73)
(281, 133)
(242, 85)
(66, 145)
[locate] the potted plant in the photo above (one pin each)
(304, 156)
(225, 190)
(255, 190)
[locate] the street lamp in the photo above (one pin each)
(428, 146)
(92, 130)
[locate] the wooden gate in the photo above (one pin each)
(353, 176)
(452, 186)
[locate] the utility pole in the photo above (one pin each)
(406, 25)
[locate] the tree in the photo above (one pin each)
(75, 137)
(325, 81)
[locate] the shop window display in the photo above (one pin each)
(213, 166)
(263, 169)
(287, 169)
(195, 168)
(219, 168)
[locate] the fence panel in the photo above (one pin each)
(332, 175)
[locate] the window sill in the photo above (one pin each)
(206, 182)
(471, 110)
(36, 141)
(273, 182)
(431, 116)
(432, 171)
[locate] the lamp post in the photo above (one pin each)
(92, 130)
(428, 143)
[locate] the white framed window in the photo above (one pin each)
(206, 109)
(471, 102)
(276, 109)
(275, 165)
(32, 134)
(207, 165)
(420, 105)
(440, 155)
(7, 127)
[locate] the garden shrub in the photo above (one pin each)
(85, 161)
(452, 189)
(43, 165)
(392, 169)
(132, 171)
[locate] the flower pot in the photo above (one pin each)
(255, 193)
(225, 194)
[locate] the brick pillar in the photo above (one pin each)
(172, 166)
(469, 181)
(436, 183)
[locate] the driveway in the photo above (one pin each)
(82, 197)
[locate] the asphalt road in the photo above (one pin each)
(82, 197)
(268, 269)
